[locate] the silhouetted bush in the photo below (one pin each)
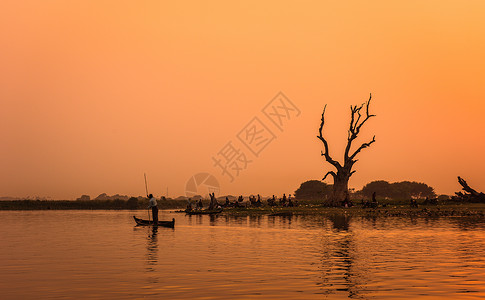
(313, 190)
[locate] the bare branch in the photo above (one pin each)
(325, 144)
(355, 126)
(368, 116)
(356, 110)
(330, 173)
(466, 187)
(352, 116)
(364, 145)
(468, 193)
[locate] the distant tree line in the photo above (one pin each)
(118, 204)
(104, 197)
(398, 190)
(316, 189)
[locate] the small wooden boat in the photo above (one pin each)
(203, 212)
(142, 222)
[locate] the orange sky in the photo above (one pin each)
(95, 93)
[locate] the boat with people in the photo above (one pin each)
(142, 222)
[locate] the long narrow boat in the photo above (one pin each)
(142, 222)
(203, 212)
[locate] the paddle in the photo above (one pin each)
(146, 189)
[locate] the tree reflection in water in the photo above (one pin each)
(340, 272)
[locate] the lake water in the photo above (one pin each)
(102, 255)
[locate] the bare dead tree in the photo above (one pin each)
(469, 195)
(344, 172)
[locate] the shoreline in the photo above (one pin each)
(386, 210)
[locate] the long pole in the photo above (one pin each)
(146, 189)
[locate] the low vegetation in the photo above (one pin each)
(131, 203)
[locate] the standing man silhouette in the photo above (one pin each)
(153, 205)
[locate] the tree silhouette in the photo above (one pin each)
(313, 189)
(342, 176)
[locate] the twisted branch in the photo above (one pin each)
(355, 126)
(467, 188)
(329, 173)
(363, 146)
(325, 144)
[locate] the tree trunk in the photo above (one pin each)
(340, 191)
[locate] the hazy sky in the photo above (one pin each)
(95, 93)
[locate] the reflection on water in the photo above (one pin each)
(468, 223)
(152, 247)
(101, 254)
(340, 222)
(338, 271)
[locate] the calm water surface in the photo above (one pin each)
(101, 254)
